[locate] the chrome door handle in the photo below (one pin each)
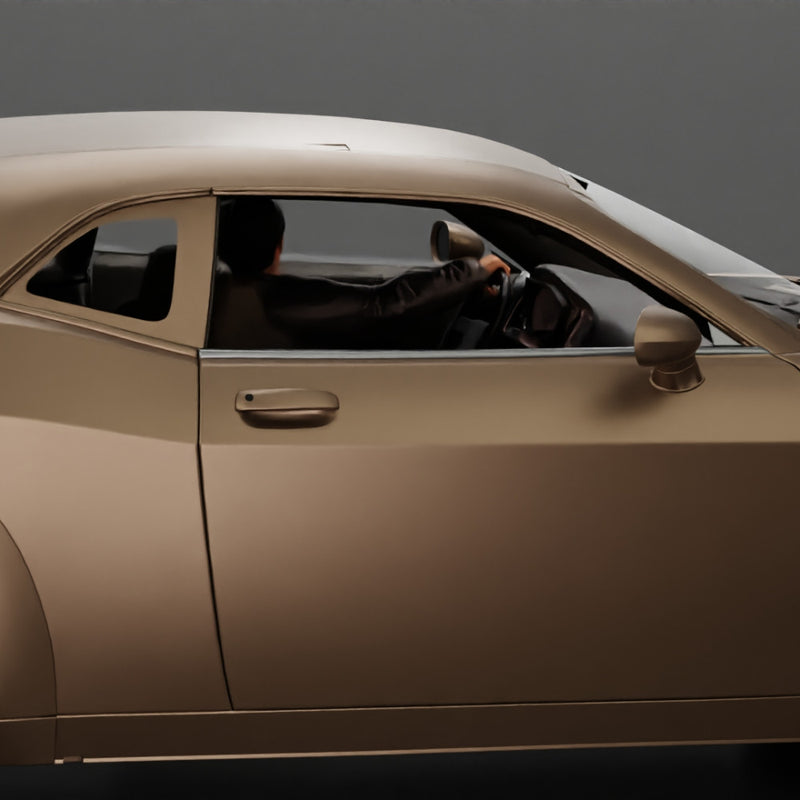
(286, 408)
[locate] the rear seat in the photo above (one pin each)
(66, 277)
(155, 292)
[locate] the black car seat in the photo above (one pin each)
(155, 292)
(66, 277)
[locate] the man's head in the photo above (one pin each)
(250, 234)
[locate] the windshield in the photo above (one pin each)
(772, 293)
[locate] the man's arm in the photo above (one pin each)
(317, 308)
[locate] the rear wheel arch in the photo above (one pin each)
(27, 671)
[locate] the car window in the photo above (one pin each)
(124, 268)
(331, 274)
(356, 242)
(773, 294)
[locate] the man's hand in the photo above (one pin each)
(491, 263)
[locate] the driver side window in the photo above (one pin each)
(327, 274)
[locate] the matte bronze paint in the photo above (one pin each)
(388, 730)
(494, 530)
(27, 741)
(186, 322)
(99, 483)
(55, 174)
(27, 676)
(27, 679)
(597, 586)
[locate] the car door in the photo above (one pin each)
(499, 526)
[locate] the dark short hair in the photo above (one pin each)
(248, 233)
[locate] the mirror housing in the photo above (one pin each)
(667, 341)
(451, 240)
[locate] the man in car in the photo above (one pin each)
(256, 306)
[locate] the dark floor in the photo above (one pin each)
(730, 772)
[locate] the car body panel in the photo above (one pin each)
(555, 529)
(409, 730)
(46, 196)
(192, 130)
(27, 677)
(483, 549)
(195, 218)
(28, 741)
(60, 162)
(54, 214)
(100, 486)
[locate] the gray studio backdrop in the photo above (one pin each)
(689, 106)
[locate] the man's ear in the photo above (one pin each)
(276, 258)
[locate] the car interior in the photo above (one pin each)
(133, 284)
(559, 294)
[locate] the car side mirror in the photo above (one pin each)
(451, 240)
(667, 341)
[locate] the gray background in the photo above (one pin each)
(689, 106)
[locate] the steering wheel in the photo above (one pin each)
(502, 280)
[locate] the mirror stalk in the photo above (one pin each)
(667, 341)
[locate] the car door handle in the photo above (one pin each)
(286, 408)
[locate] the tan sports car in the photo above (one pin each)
(559, 511)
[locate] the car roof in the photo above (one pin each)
(60, 174)
(56, 171)
(146, 130)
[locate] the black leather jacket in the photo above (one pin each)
(411, 311)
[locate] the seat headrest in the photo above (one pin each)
(74, 259)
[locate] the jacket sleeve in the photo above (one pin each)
(312, 308)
